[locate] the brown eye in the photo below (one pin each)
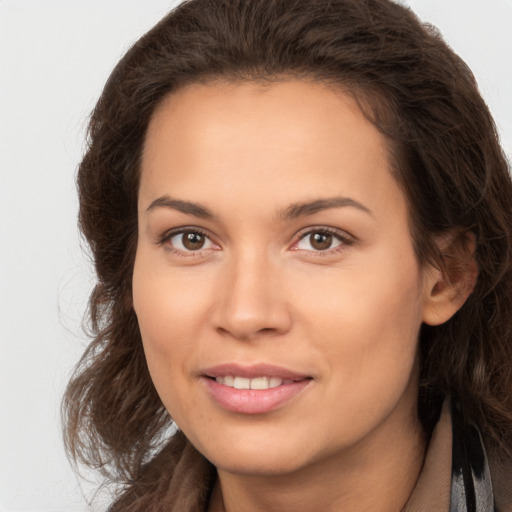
(321, 241)
(190, 241)
(193, 241)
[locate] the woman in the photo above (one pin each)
(301, 219)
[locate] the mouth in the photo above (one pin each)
(238, 382)
(255, 389)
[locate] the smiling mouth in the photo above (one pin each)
(261, 383)
(254, 395)
(253, 389)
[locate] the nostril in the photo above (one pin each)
(248, 317)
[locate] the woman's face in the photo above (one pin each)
(274, 254)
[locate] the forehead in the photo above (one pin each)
(304, 137)
(292, 104)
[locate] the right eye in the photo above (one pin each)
(188, 241)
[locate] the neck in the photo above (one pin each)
(387, 463)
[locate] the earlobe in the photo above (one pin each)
(448, 287)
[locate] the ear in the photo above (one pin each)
(448, 287)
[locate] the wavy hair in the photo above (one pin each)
(446, 157)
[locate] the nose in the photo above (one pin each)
(252, 301)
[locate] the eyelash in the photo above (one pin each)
(341, 236)
(344, 238)
(168, 235)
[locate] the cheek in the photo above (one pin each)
(169, 311)
(168, 304)
(168, 325)
(367, 324)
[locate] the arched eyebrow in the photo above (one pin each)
(187, 207)
(303, 209)
(293, 211)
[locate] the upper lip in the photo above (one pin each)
(253, 371)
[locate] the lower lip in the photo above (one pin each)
(254, 401)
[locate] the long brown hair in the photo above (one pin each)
(446, 156)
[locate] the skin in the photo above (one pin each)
(347, 316)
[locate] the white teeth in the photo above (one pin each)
(242, 383)
(245, 383)
(275, 381)
(260, 383)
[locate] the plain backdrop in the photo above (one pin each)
(55, 55)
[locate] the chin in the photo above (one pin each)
(256, 455)
(259, 463)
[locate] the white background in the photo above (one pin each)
(55, 56)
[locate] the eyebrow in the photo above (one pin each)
(187, 207)
(293, 211)
(306, 208)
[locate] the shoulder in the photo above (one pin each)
(481, 472)
(500, 466)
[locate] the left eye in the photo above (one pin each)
(188, 241)
(319, 241)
